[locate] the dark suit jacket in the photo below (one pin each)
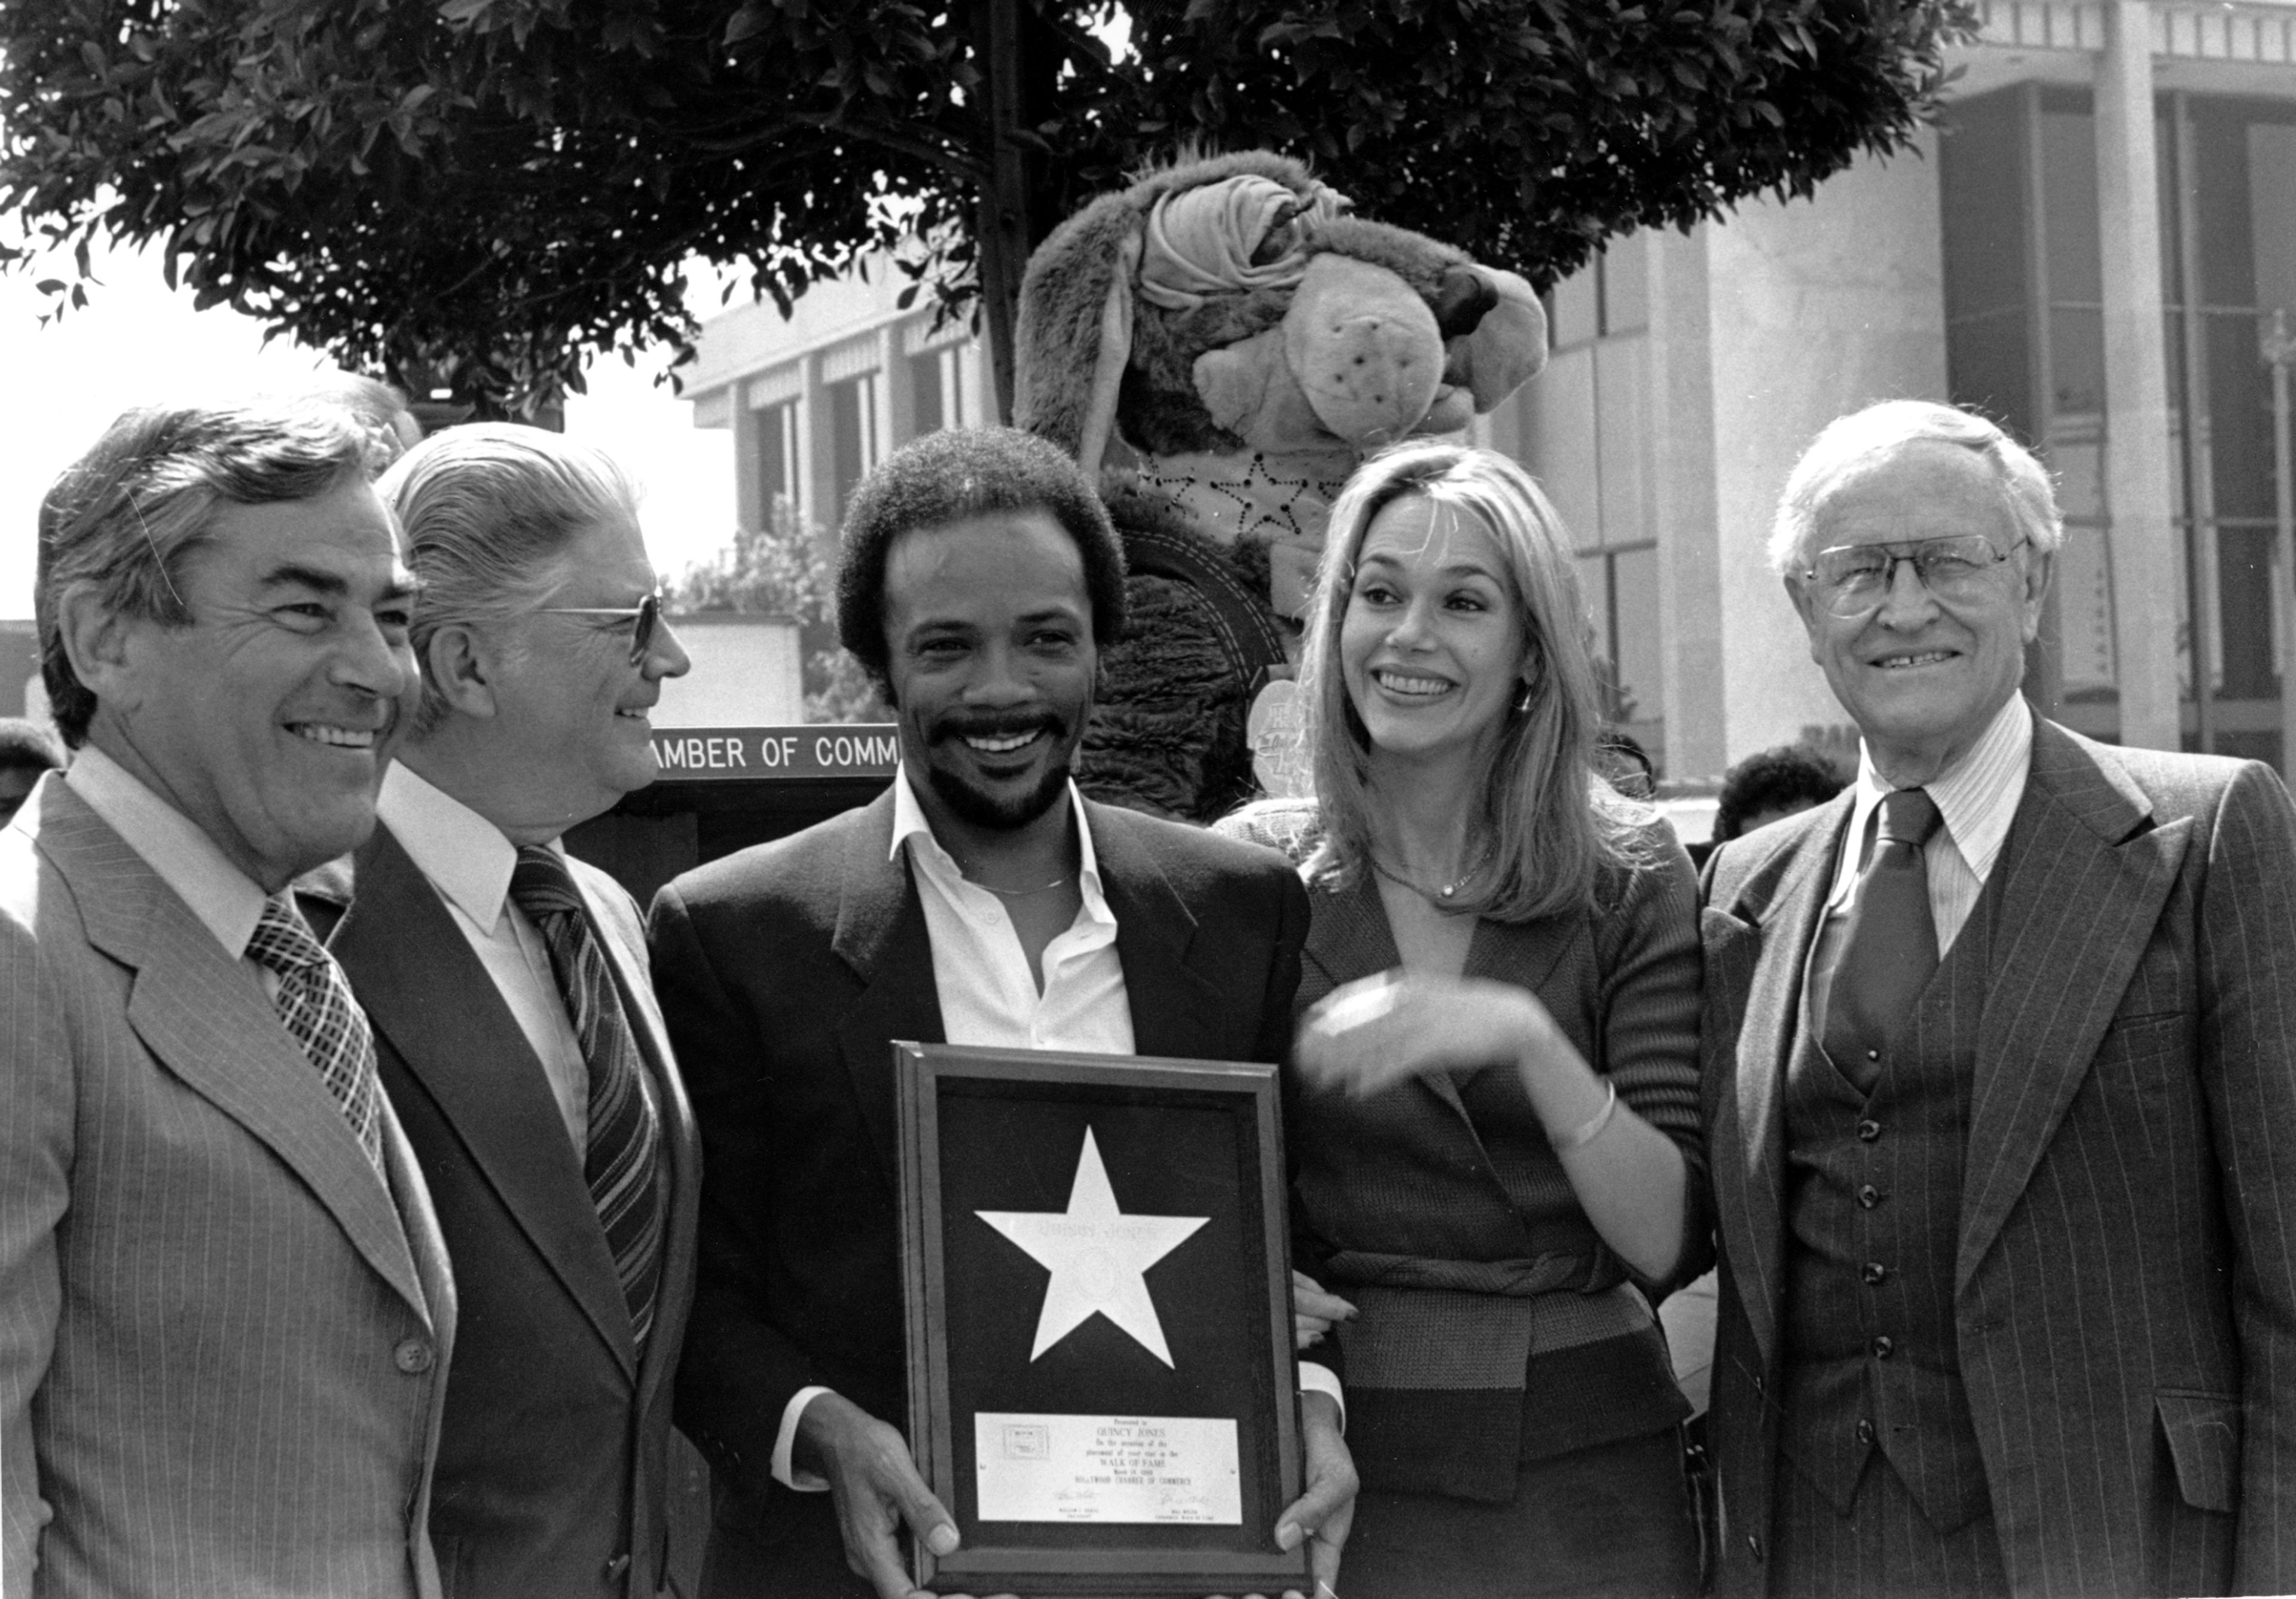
(2125, 1292)
(551, 1468)
(785, 972)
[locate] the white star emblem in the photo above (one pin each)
(1097, 1256)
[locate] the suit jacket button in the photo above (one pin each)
(412, 1355)
(1865, 1432)
(1754, 1545)
(1883, 1347)
(1868, 1197)
(616, 1567)
(1868, 1130)
(1874, 1274)
(1760, 1385)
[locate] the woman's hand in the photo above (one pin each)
(1378, 1031)
(1314, 1312)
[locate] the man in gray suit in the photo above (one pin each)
(2001, 1092)
(224, 1308)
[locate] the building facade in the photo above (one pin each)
(2093, 246)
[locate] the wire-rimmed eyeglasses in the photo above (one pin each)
(1850, 580)
(647, 613)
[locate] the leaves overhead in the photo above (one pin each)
(483, 192)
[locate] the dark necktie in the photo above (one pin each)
(1889, 950)
(315, 1001)
(623, 1162)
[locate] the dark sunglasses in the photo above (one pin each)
(648, 612)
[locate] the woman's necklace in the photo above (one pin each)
(1438, 895)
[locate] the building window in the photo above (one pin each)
(853, 445)
(773, 429)
(936, 392)
(2025, 342)
(1584, 432)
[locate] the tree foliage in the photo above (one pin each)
(485, 192)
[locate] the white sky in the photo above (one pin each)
(138, 342)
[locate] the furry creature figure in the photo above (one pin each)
(1223, 343)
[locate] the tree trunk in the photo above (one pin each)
(1020, 62)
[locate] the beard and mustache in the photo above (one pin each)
(979, 809)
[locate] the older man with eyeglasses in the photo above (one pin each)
(2000, 1091)
(515, 1015)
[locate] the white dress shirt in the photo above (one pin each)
(228, 902)
(988, 998)
(1977, 799)
(469, 862)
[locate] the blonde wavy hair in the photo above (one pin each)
(1552, 825)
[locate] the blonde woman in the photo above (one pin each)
(1493, 1101)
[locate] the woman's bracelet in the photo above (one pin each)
(1590, 1130)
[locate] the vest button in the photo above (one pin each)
(1868, 1196)
(1754, 1545)
(1872, 1054)
(616, 1567)
(1865, 1432)
(1875, 1273)
(1868, 1131)
(1883, 1347)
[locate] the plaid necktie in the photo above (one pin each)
(1889, 949)
(315, 1001)
(624, 1159)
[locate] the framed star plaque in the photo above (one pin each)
(1102, 1387)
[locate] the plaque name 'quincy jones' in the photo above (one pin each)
(1107, 1468)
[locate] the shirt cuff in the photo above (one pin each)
(785, 1471)
(1314, 1379)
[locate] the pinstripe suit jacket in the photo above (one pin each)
(223, 1346)
(2124, 1293)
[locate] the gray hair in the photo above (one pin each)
(1849, 441)
(125, 516)
(488, 510)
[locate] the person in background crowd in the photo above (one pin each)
(980, 900)
(1765, 788)
(27, 752)
(2001, 1094)
(1494, 1105)
(1620, 759)
(225, 1311)
(515, 1017)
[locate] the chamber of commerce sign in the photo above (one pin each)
(860, 749)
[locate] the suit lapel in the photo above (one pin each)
(431, 997)
(1761, 951)
(1174, 1006)
(2083, 882)
(881, 934)
(203, 1016)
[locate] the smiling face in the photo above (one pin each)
(989, 662)
(1922, 677)
(571, 707)
(1432, 643)
(269, 719)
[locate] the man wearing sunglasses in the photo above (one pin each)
(2000, 1093)
(515, 1015)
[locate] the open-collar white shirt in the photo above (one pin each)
(988, 996)
(1977, 797)
(469, 862)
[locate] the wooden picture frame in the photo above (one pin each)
(1129, 1447)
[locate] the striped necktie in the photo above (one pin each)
(623, 1163)
(315, 1001)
